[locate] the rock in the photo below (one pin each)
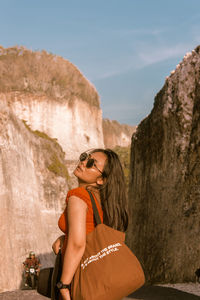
(49, 113)
(52, 96)
(165, 179)
(22, 295)
(116, 134)
(34, 184)
(187, 291)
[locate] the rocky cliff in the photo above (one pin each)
(76, 126)
(52, 96)
(34, 183)
(165, 179)
(116, 134)
(49, 113)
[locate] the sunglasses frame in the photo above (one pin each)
(90, 161)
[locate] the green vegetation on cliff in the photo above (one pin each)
(41, 73)
(57, 167)
(124, 156)
(55, 155)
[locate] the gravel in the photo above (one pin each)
(178, 291)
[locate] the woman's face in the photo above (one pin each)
(91, 175)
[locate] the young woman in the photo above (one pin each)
(101, 172)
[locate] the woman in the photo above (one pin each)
(101, 172)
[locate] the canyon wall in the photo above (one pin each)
(76, 125)
(34, 184)
(116, 134)
(49, 113)
(52, 96)
(165, 179)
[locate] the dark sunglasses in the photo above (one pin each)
(90, 161)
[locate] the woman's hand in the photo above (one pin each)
(58, 244)
(65, 294)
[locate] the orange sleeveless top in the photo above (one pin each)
(90, 225)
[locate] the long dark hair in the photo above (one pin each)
(113, 192)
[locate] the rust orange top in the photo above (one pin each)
(90, 225)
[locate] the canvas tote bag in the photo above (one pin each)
(108, 269)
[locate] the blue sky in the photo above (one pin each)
(126, 48)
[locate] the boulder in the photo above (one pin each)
(165, 179)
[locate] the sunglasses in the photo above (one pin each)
(90, 161)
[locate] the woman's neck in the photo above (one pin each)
(84, 184)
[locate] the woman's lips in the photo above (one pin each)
(79, 168)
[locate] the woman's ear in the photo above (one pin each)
(100, 180)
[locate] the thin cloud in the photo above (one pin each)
(138, 31)
(142, 31)
(109, 74)
(143, 52)
(152, 56)
(196, 33)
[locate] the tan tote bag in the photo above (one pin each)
(108, 269)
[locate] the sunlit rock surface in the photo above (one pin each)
(32, 195)
(49, 114)
(165, 179)
(116, 134)
(76, 125)
(52, 96)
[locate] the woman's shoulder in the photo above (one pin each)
(79, 192)
(82, 193)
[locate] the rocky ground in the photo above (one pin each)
(182, 291)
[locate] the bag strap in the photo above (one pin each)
(95, 210)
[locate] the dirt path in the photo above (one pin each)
(185, 291)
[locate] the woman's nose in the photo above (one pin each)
(83, 162)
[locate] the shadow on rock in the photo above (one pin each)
(160, 293)
(46, 260)
(22, 295)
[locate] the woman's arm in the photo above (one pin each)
(76, 216)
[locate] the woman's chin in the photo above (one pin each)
(76, 172)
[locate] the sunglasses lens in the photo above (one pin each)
(90, 163)
(83, 156)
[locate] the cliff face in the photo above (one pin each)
(33, 181)
(42, 73)
(76, 125)
(116, 134)
(53, 97)
(49, 113)
(165, 179)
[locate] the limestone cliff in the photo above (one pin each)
(53, 96)
(116, 134)
(165, 179)
(34, 184)
(76, 125)
(49, 113)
